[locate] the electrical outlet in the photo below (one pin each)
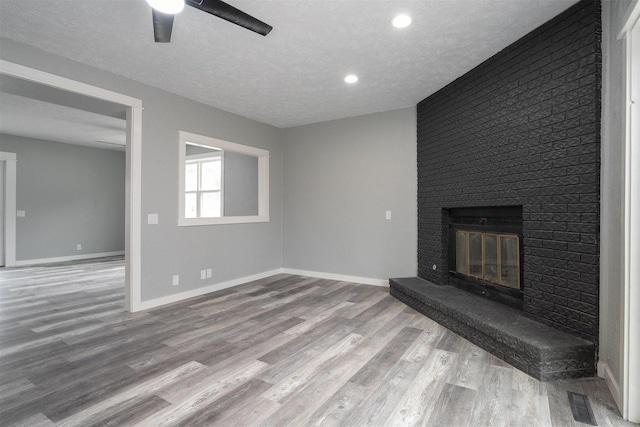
(79, 247)
(176, 280)
(209, 273)
(203, 274)
(387, 215)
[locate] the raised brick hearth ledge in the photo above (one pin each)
(541, 351)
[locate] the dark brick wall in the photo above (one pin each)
(523, 128)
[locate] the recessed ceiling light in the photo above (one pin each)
(401, 21)
(351, 78)
(167, 6)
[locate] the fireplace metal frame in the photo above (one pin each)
(495, 219)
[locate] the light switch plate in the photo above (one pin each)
(203, 274)
(387, 215)
(209, 273)
(21, 214)
(152, 218)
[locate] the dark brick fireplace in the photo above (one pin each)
(523, 129)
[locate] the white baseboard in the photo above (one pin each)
(340, 277)
(605, 372)
(66, 258)
(170, 299)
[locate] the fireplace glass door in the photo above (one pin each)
(490, 257)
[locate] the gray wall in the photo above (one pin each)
(71, 194)
(192, 150)
(612, 185)
(232, 251)
(339, 179)
(240, 184)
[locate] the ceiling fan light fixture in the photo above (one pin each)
(167, 6)
(401, 21)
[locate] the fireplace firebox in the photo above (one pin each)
(485, 252)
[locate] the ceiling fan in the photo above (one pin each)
(164, 11)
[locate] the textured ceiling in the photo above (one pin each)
(32, 118)
(33, 110)
(294, 75)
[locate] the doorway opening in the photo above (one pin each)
(75, 92)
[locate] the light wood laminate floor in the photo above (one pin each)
(286, 350)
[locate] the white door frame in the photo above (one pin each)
(133, 215)
(9, 225)
(630, 32)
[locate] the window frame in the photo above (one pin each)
(225, 146)
(199, 159)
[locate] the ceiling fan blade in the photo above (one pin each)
(231, 14)
(162, 26)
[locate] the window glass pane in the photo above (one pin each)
(211, 175)
(491, 257)
(461, 252)
(210, 204)
(509, 261)
(190, 205)
(475, 254)
(191, 177)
